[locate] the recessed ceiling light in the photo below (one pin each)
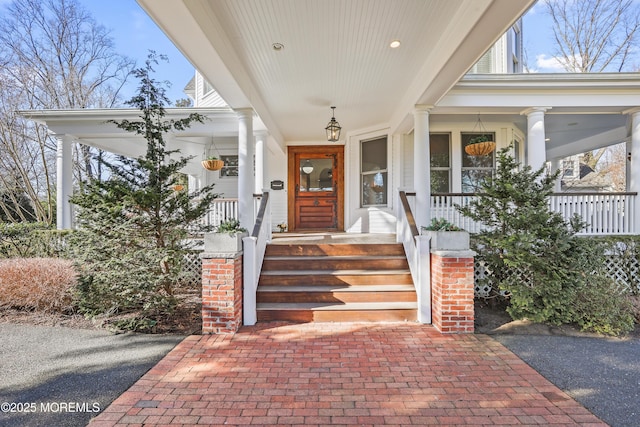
(277, 46)
(394, 44)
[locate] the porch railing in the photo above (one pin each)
(221, 210)
(604, 213)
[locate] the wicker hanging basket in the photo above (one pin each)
(212, 165)
(480, 148)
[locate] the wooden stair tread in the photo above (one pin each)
(338, 307)
(337, 288)
(329, 257)
(331, 272)
(336, 283)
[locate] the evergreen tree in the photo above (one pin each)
(134, 224)
(534, 258)
(526, 248)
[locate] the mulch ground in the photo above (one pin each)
(185, 320)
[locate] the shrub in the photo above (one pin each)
(441, 224)
(602, 306)
(230, 226)
(44, 284)
(30, 240)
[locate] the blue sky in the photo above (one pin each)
(538, 41)
(134, 34)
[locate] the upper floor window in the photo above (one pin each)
(440, 155)
(568, 170)
(206, 87)
(475, 169)
(373, 172)
(514, 49)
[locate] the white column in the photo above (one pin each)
(261, 162)
(246, 182)
(421, 166)
(555, 166)
(634, 169)
(64, 182)
(536, 150)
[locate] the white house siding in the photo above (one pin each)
(407, 162)
(205, 97)
(277, 170)
(505, 133)
(227, 187)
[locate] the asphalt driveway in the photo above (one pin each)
(62, 377)
(603, 374)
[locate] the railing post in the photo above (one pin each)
(423, 287)
(250, 282)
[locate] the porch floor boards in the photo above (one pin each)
(335, 277)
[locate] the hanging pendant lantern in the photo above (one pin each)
(333, 128)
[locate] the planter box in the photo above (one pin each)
(224, 242)
(448, 240)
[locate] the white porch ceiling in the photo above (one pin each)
(336, 52)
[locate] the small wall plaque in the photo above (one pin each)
(277, 185)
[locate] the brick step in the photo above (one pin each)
(333, 294)
(390, 249)
(373, 262)
(348, 312)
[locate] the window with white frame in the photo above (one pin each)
(517, 150)
(373, 172)
(568, 169)
(206, 87)
(515, 48)
(440, 159)
(475, 169)
(230, 168)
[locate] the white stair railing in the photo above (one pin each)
(417, 249)
(254, 247)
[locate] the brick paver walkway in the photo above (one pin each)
(343, 374)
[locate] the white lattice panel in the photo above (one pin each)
(192, 269)
(624, 270)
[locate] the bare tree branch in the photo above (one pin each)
(594, 35)
(54, 56)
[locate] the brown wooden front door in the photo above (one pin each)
(316, 188)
